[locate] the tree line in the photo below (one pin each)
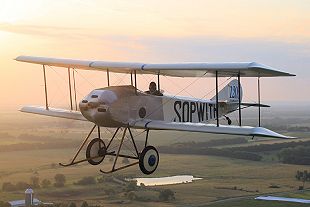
(59, 181)
(299, 155)
(295, 152)
(223, 152)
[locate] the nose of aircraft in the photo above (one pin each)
(95, 106)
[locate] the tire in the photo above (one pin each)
(95, 148)
(148, 160)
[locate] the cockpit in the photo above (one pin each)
(153, 90)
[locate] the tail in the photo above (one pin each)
(230, 93)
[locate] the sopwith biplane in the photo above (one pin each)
(125, 107)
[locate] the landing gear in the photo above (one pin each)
(96, 151)
(148, 160)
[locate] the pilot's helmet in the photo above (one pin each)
(152, 86)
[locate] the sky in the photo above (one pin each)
(271, 32)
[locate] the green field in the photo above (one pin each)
(226, 181)
(220, 176)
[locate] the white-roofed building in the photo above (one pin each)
(28, 201)
(22, 203)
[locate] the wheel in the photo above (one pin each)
(96, 148)
(148, 160)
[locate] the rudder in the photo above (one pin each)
(230, 93)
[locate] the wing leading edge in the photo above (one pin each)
(209, 128)
(196, 69)
(54, 112)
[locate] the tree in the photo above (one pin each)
(35, 182)
(84, 204)
(131, 186)
(45, 183)
(89, 180)
(4, 204)
(72, 204)
(304, 178)
(22, 185)
(298, 175)
(7, 186)
(131, 196)
(100, 179)
(60, 180)
(166, 195)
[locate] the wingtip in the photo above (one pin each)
(261, 131)
(18, 58)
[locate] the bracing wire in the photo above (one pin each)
(172, 98)
(201, 99)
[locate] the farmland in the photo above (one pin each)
(32, 146)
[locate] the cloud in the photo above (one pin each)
(291, 56)
(50, 31)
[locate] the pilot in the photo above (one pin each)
(153, 89)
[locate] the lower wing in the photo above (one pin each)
(61, 113)
(163, 125)
(208, 128)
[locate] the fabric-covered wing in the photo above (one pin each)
(61, 113)
(208, 128)
(198, 69)
(228, 69)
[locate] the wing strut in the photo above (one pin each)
(258, 94)
(108, 77)
(45, 88)
(158, 84)
(70, 93)
(74, 88)
(217, 98)
(135, 81)
(239, 98)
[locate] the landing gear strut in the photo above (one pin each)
(97, 150)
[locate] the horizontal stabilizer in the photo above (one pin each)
(254, 105)
(209, 128)
(54, 112)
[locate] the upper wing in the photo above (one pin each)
(61, 113)
(204, 69)
(208, 128)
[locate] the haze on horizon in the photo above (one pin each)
(275, 33)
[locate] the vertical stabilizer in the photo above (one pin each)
(230, 93)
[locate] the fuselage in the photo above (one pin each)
(119, 105)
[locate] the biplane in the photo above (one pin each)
(125, 107)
